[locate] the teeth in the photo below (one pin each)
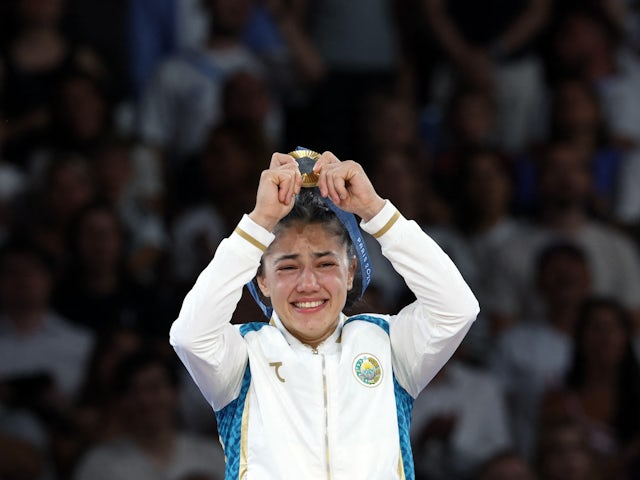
(317, 303)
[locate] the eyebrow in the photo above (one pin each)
(295, 256)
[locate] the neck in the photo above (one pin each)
(601, 66)
(156, 442)
(26, 321)
(601, 376)
(101, 281)
(222, 41)
(566, 220)
(563, 318)
(487, 220)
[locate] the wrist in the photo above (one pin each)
(372, 209)
(267, 222)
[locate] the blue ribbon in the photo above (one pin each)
(351, 224)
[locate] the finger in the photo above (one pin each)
(290, 183)
(331, 179)
(296, 179)
(280, 159)
(326, 158)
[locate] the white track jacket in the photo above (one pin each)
(342, 411)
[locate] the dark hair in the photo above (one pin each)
(131, 365)
(22, 245)
(626, 419)
(310, 208)
(564, 249)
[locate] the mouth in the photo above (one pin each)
(309, 305)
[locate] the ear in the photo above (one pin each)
(262, 285)
(352, 272)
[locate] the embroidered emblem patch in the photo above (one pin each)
(367, 369)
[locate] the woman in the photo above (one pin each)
(602, 384)
(314, 394)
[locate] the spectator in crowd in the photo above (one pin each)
(82, 114)
(24, 447)
(95, 416)
(217, 188)
(490, 44)
(35, 57)
(150, 445)
(602, 386)
(531, 358)
(183, 100)
(506, 465)
(97, 291)
(459, 421)
(587, 41)
(391, 125)
(63, 187)
(483, 216)
(358, 45)
(576, 117)
(564, 452)
(469, 124)
(118, 183)
(35, 342)
(565, 187)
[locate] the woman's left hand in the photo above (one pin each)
(348, 186)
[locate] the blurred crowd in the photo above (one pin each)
(132, 135)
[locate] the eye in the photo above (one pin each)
(327, 264)
(285, 268)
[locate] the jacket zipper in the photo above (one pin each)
(314, 350)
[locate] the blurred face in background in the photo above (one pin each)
(488, 184)
(40, 12)
(605, 338)
(565, 454)
(576, 107)
(246, 99)
(473, 119)
(151, 401)
(564, 281)
(70, 188)
(25, 283)
(100, 242)
(565, 177)
(83, 108)
(229, 17)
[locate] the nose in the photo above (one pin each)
(307, 282)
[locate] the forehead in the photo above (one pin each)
(300, 238)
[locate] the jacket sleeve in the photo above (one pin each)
(424, 334)
(212, 350)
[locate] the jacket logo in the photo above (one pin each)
(276, 366)
(367, 369)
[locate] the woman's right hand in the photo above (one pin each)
(278, 186)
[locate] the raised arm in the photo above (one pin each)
(212, 349)
(425, 334)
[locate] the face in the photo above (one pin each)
(567, 456)
(151, 400)
(474, 119)
(84, 109)
(576, 109)
(488, 185)
(25, 284)
(564, 281)
(605, 338)
(100, 240)
(565, 179)
(306, 275)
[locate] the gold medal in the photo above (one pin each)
(306, 161)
